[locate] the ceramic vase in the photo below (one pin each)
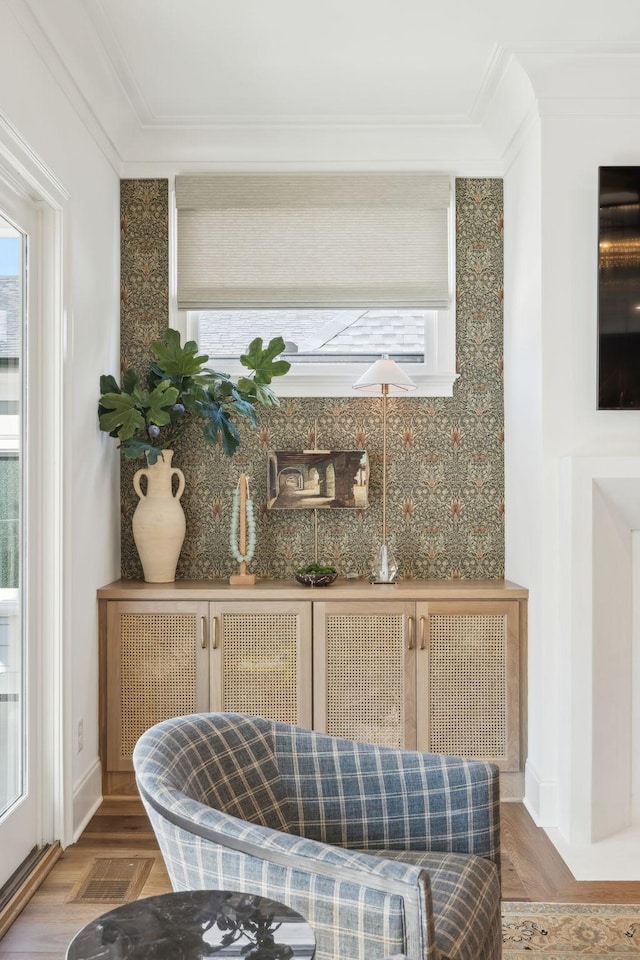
(158, 521)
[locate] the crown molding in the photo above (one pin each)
(90, 97)
(522, 80)
(119, 65)
(426, 147)
(580, 73)
(578, 48)
(25, 171)
(102, 90)
(507, 102)
(469, 167)
(493, 75)
(526, 81)
(613, 108)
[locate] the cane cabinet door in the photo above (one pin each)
(364, 671)
(261, 659)
(157, 663)
(468, 680)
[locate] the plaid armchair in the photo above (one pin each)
(383, 851)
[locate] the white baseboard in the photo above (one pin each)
(87, 797)
(540, 798)
(616, 859)
(532, 792)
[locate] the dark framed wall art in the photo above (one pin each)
(619, 288)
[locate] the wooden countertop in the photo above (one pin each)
(340, 590)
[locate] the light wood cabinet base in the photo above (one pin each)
(436, 666)
(511, 785)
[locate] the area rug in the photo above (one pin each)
(565, 931)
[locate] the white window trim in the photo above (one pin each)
(22, 171)
(435, 377)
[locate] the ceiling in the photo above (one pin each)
(153, 71)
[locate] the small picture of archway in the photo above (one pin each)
(317, 479)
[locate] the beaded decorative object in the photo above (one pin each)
(251, 527)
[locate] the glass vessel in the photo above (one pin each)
(385, 567)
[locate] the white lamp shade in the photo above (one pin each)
(384, 372)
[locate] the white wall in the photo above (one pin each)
(35, 106)
(551, 210)
(635, 678)
(573, 148)
(612, 765)
(524, 475)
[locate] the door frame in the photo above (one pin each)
(24, 174)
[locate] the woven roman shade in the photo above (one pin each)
(289, 241)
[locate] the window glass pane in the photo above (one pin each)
(11, 639)
(314, 336)
(9, 521)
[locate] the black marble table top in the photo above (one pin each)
(196, 925)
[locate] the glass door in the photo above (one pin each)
(18, 679)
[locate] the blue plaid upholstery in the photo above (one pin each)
(383, 851)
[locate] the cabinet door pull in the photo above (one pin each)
(214, 633)
(423, 641)
(411, 630)
(203, 633)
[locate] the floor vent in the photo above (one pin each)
(112, 880)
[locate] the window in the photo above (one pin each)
(423, 341)
(12, 273)
(10, 335)
(345, 267)
(9, 521)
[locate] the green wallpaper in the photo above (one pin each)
(445, 509)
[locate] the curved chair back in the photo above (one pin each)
(377, 848)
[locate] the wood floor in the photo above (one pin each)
(532, 870)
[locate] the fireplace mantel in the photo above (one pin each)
(599, 563)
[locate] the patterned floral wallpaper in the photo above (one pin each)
(445, 503)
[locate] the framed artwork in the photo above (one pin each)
(317, 479)
(619, 288)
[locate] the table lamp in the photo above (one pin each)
(386, 376)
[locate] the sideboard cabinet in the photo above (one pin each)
(430, 665)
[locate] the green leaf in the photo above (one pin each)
(219, 425)
(130, 381)
(159, 403)
(109, 384)
(262, 360)
(262, 394)
(122, 418)
(223, 389)
(132, 449)
(244, 408)
(175, 360)
(194, 396)
(276, 369)
(153, 454)
(207, 375)
(246, 386)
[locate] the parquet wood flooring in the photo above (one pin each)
(532, 871)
